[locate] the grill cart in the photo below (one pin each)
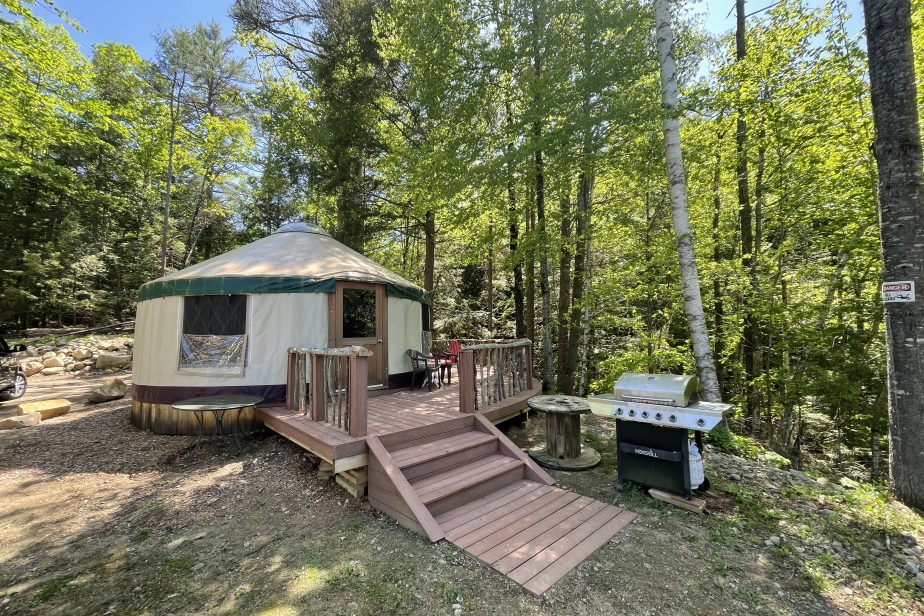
(654, 414)
(12, 377)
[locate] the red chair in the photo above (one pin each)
(447, 359)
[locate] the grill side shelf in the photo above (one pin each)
(651, 452)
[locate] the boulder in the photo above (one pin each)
(45, 408)
(111, 389)
(53, 362)
(52, 370)
(20, 421)
(72, 367)
(112, 361)
(32, 367)
(80, 354)
(49, 355)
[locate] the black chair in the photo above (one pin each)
(421, 364)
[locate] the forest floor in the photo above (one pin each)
(97, 517)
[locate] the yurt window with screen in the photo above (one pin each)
(214, 336)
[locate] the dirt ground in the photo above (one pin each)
(97, 517)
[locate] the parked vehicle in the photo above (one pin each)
(12, 378)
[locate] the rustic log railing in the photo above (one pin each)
(339, 382)
(489, 373)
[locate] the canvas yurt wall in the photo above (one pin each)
(223, 326)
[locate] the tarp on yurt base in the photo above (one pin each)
(298, 258)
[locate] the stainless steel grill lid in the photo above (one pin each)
(666, 389)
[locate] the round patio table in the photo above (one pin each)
(218, 406)
(562, 449)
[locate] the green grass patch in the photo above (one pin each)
(49, 590)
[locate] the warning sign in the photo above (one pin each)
(902, 291)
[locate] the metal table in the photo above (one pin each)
(218, 406)
(563, 450)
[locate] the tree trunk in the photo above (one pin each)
(489, 287)
(747, 240)
(564, 295)
(429, 250)
(548, 375)
(577, 320)
(677, 185)
(897, 148)
(166, 224)
(718, 307)
(513, 222)
(530, 308)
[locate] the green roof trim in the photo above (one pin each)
(412, 293)
(222, 285)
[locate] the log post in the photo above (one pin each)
(529, 367)
(296, 391)
(318, 394)
(358, 396)
(466, 381)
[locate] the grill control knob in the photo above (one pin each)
(619, 410)
(673, 418)
(658, 416)
(700, 422)
(631, 413)
(644, 414)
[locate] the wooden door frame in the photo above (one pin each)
(335, 322)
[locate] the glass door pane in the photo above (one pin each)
(359, 313)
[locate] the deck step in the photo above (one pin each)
(471, 480)
(451, 452)
(534, 534)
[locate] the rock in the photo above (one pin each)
(847, 482)
(826, 513)
(112, 389)
(46, 408)
(457, 612)
(772, 541)
(822, 481)
(20, 421)
(456, 606)
(53, 370)
(129, 343)
(919, 580)
(734, 477)
(112, 361)
(911, 568)
(909, 539)
(198, 566)
(32, 367)
(352, 605)
(49, 354)
(53, 362)
(80, 354)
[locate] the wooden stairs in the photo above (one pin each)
(464, 481)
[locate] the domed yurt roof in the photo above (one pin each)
(296, 258)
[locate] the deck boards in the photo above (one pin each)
(533, 540)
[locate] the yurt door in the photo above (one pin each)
(359, 315)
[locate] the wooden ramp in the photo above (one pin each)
(464, 481)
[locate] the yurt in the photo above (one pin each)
(223, 326)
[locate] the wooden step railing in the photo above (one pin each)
(339, 382)
(491, 372)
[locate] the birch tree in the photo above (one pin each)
(677, 187)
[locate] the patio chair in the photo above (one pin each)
(447, 359)
(422, 364)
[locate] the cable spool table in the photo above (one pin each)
(562, 449)
(218, 406)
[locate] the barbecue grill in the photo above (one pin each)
(654, 413)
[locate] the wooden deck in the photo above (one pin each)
(455, 476)
(389, 411)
